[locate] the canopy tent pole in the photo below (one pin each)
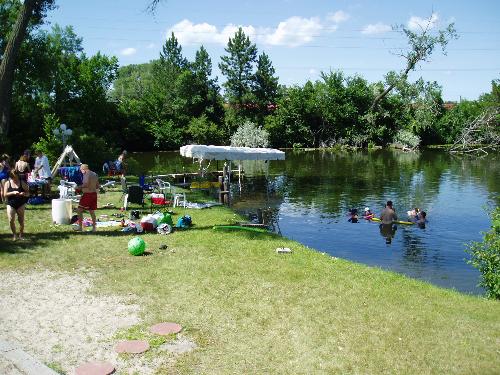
(239, 176)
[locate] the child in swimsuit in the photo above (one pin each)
(368, 214)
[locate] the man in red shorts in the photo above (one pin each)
(88, 202)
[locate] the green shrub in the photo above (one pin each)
(486, 257)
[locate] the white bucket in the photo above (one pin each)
(61, 211)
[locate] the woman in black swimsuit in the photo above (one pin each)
(16, 192)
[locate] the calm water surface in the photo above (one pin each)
(311, 193)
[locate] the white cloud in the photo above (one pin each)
(416, 23)
(292, 32)
(338, 17)
(376, 28)
(187, 33)
(295, 31)
(128, 51)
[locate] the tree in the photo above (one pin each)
(171, 55)
(31, 10)
(421, 46)
(265, 85)
(237, 66)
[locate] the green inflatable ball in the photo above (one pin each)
(136, 246)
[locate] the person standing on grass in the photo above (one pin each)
(23, 168)
(16, 192)
(88, 201)
(121, 163)
(42, 169)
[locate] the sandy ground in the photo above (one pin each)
(54, 318)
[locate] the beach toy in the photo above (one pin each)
(136, 246)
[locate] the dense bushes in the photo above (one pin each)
(486, 257)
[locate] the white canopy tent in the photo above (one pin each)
(204, 152)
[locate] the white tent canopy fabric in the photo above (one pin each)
(204, 152)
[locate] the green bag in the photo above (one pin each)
(167, 219)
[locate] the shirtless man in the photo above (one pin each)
(388, 215)
(88, 201)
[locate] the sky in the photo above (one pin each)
(302, 37)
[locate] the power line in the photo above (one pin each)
(301, 46)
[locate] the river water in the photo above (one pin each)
(311, 193)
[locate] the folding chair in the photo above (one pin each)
(162, 195)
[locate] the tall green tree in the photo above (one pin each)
(421, 45)
(238, 67)
(171, 55)
(265, 87)
(31, 10)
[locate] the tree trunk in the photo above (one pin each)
(8, 64)
(409, 67)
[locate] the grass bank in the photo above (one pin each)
(253, 311)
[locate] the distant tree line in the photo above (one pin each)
(171, 101)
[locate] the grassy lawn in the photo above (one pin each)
(253, 311)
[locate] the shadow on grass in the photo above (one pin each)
(245, 233)
(8, 245)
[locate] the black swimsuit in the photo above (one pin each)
(16, 201)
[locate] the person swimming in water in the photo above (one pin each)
(354, 215)
(368, 214)
(413, 214)
(422, 219)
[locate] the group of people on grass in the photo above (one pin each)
(15, 191)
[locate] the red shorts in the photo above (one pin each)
(88, 201)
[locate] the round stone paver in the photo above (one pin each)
(166, 328)
(132, 346)
(95, 368)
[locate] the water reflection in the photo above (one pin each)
(388, 231)
(311, 192)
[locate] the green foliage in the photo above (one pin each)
(249, 135)
(265, 88)
(204, 131)
(93, 150)
(486, 257)
(57, 78)
(450, 125)
(237, 66)
(171, 100)
(49, 144)
(166, 134)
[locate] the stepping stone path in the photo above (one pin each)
(166, 328)
(127, 346)
(95, 368)
(132, 346)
